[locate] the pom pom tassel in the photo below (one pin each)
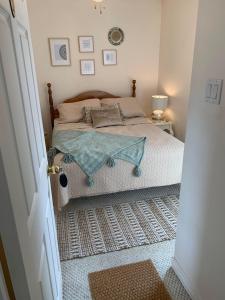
(111, 162)
(137, 171)
(68, 159)
(90, 181)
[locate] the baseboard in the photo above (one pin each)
(186, 282)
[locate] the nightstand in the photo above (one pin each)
(164, 125)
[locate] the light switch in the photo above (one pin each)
(208, 90)
(214, 91)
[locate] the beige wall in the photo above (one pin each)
(200, 245)
(138, 56)
(176, 56)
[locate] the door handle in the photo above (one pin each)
(53, 170)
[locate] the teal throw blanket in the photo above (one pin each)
(91, 150)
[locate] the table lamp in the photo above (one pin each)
(159, 105)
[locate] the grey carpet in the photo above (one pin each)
(75, 272)
(134, 218)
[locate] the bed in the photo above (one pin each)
(161, 164)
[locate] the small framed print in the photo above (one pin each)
(87, 67)
(59, 51)
(86, 44)
(109, 57)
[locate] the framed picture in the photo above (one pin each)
(86, 44)
(87, 67)
(109, 57)
(59, 51)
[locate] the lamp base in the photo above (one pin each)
(158, 116)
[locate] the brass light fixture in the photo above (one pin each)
(99, 4)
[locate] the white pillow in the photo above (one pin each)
(129, 107)
(74, 112)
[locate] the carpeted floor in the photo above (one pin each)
(75, 272)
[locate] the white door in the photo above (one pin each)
(24, 156)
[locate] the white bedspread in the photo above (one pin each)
(161, 164)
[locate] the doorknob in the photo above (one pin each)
(52, 170)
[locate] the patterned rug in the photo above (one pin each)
(129, 282)
(85, 232)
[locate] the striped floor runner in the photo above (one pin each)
(90, 231)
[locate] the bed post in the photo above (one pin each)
(134, 88)
(51, 106)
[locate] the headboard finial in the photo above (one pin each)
(51, 106)
(134, 88)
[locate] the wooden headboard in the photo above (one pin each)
(54, 113)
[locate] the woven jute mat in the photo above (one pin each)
(138, 281)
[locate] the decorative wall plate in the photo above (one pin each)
(116, 36)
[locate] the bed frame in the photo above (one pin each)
(54, 113)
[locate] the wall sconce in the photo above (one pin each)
(99, 4)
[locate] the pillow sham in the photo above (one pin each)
(87, 114)
(88, 109)
(74, 112)
(105, 117)
(129, 107)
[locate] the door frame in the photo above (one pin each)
(6, 286)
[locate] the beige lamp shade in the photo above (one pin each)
(159, 102)
(159, 105)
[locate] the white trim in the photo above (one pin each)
(186, 282)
